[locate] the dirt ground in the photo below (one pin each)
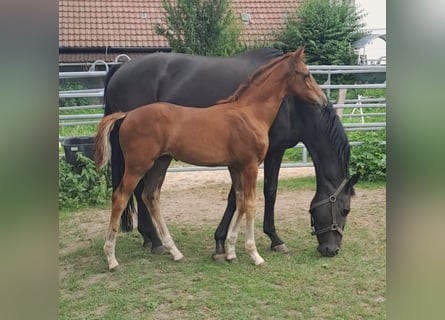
(200, 197)
(207, 200)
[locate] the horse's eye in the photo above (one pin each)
(307, 76)
(345, 212)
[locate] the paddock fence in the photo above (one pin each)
(81, 104)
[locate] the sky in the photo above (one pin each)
(376, 9)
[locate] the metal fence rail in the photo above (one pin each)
(77, 115)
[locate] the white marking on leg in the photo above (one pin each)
(167, 240)
(232, 235)
(250, 242)
(109, 249)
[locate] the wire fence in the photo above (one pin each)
(82, 108)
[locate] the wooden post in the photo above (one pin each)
(341, 100)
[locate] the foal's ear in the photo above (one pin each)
(299, 53)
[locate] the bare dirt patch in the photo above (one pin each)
(200, 197)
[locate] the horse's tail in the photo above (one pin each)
(102, 153)
(117, 158)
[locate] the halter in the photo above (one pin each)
(331, 199)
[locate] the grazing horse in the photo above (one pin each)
(233, 133)
(200, 81)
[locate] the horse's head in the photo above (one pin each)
(328, 216)
(302, 84)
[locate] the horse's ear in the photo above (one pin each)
(353, 180)
(299, 53)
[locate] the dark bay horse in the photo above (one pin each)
(194, 80)
(232, 133)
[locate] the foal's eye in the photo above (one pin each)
(307, 76)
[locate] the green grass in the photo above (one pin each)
(310, 184)
(297, 285)
(292, 184)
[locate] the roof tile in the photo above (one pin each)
(121, 23)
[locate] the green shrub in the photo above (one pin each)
(70, 85)
(82, 186)
(200, 27)
(326, 29)
(369, 158)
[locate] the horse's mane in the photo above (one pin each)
(336, 133)
(259, 72)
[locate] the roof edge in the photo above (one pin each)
(112, 49)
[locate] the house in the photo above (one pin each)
(371, 49)
(106, 30)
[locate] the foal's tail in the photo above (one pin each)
(102, 153)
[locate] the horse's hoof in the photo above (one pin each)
(158, 250)
(219, 257)
(146, 244)
(281, 248)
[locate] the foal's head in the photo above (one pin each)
(301, 83)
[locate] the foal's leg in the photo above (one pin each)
(248, 179)
(232, 233)
(244, 183)
(119, 202)
(145, 223)
(151, 195)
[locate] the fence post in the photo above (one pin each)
(341, 100)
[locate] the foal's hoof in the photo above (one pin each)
(178, 259)
(280, 248)
(158, 250)
(113, 267)
(219, 257)
(231, 259)
(262, 264)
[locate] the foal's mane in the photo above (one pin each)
(254, 77)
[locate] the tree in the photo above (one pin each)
(326, 28)
(204, 27)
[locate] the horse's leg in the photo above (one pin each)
(248, 180)
(119, 202)
(272, 165)
(151, 196)
(221, 232)
(145, 225)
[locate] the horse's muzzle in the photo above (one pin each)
(327, 251)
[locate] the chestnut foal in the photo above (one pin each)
(232, 133)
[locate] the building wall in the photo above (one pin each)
(375, 23)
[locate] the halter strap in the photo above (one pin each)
(331, 199)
